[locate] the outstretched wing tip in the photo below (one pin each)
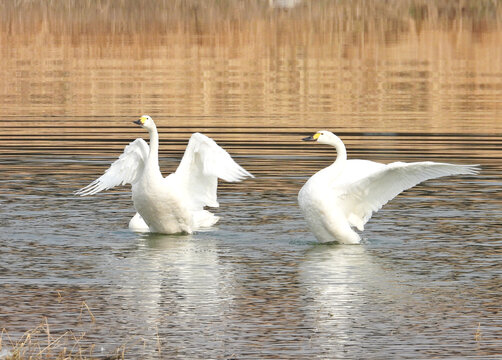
(237, 175)
(91, 189)
(463, 169)
(473, 169)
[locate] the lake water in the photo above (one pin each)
(425, 282)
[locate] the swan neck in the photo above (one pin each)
(153, 156)
(341, 152)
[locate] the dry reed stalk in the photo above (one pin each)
(84, 304)
(478, 334)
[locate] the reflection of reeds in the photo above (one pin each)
(236, 21)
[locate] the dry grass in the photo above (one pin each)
(44, 342)
(40, 343)
(232, 21)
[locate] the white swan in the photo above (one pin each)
(174, 204)
(345, 194)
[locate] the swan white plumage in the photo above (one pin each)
(344, 195)
(174, 204)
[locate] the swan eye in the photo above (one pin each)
(143, 119)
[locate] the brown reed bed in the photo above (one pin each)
(230, 21)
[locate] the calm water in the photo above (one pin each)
(425, 282)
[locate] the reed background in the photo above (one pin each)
(244, 18)
(250, 53)
(368, 66)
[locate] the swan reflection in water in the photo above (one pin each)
(171, 283)
(346, 284)
(209, 292)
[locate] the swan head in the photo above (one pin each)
(323, 137)
(146, 122)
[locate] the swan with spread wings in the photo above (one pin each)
(172, 204)
(344, 195)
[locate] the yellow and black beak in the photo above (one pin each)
(311, 138)
(141, 121)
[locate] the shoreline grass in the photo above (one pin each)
(41, 343)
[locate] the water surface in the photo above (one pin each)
(424, 283)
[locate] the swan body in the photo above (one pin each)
(174, 204)
(344, 195)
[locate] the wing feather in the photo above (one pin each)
(367, 195)
(125, 170)
(203, 162)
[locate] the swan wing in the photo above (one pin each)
(356, 169)
(203, 162)
(125, 170)
(368, 194)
